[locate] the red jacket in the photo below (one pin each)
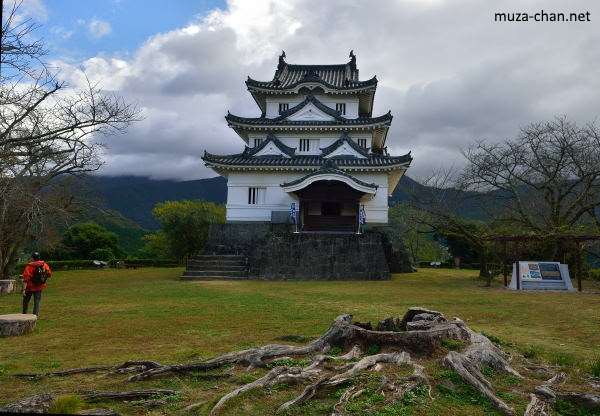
(28, 275)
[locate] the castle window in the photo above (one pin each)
(257, 142)
(305, 145)
(256, 195)
(341, 107)
(362, 143)
(283, 107)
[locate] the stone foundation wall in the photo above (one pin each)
(275, 253)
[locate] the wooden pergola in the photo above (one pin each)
(577, 240)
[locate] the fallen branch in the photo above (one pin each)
(62, 373)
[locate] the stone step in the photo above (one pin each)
(192, 275)
(201, 267)
(233, 273)
(204, 257)
(209, 263)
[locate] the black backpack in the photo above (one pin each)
(40, 275)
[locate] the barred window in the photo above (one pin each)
(256, 195)
(341, 107)
(283, 107)
(257, 142)
(305, 145)
(362, 143)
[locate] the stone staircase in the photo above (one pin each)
(216, 266)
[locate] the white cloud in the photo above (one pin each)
(449, 74)
(61, 32)
(99, 28)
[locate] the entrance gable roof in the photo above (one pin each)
(329, 172)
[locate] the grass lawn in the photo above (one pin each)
(109, 316)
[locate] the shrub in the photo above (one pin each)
(104, 254)
(594, 274)
(66, 405)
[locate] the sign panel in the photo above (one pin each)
(536, 271)
(540, 275)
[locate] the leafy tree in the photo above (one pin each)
(156, 246)
(410, 232)
(83, 240)
(104, 254)
(185, 224)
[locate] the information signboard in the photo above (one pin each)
(540, 275)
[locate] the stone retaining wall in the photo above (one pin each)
(275, 253)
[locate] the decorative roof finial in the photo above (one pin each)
(352, 59)
(281, 60)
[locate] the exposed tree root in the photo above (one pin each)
(61, 373)
(540, 402)
(470, 373)
(93, 396)
(419, 333)
(339, 409)
(311, 390)
(480, 351)
(41, 403)
(537, 407)
(341, 333)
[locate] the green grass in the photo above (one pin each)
(108, 316)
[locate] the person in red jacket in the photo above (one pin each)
(35, 275)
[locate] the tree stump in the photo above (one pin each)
(16, 324)
(7, 286)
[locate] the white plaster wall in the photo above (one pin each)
(322, 139)
(276, 199)
(328, 100)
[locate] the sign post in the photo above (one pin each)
(362, 218)
(294, 216)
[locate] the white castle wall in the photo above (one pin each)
(275, 199)
(328, 100)
(320, 140)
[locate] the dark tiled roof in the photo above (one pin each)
(331, 170)
(243, 160)
(345, 139)
(340, 76)
(310, 99)
(280, 121)
(251, 151)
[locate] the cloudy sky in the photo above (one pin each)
(448, 72)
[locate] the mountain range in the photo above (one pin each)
(134, 197)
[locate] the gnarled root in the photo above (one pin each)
(340, 378)
(480, 351)
(544, 396)
(537, 407)
(470, 373)
(286, 375)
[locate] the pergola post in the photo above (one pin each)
(504, 265)
(578, 266)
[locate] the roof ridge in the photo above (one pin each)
(345, 138)
(271, 138)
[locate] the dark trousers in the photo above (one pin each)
(37, 297)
